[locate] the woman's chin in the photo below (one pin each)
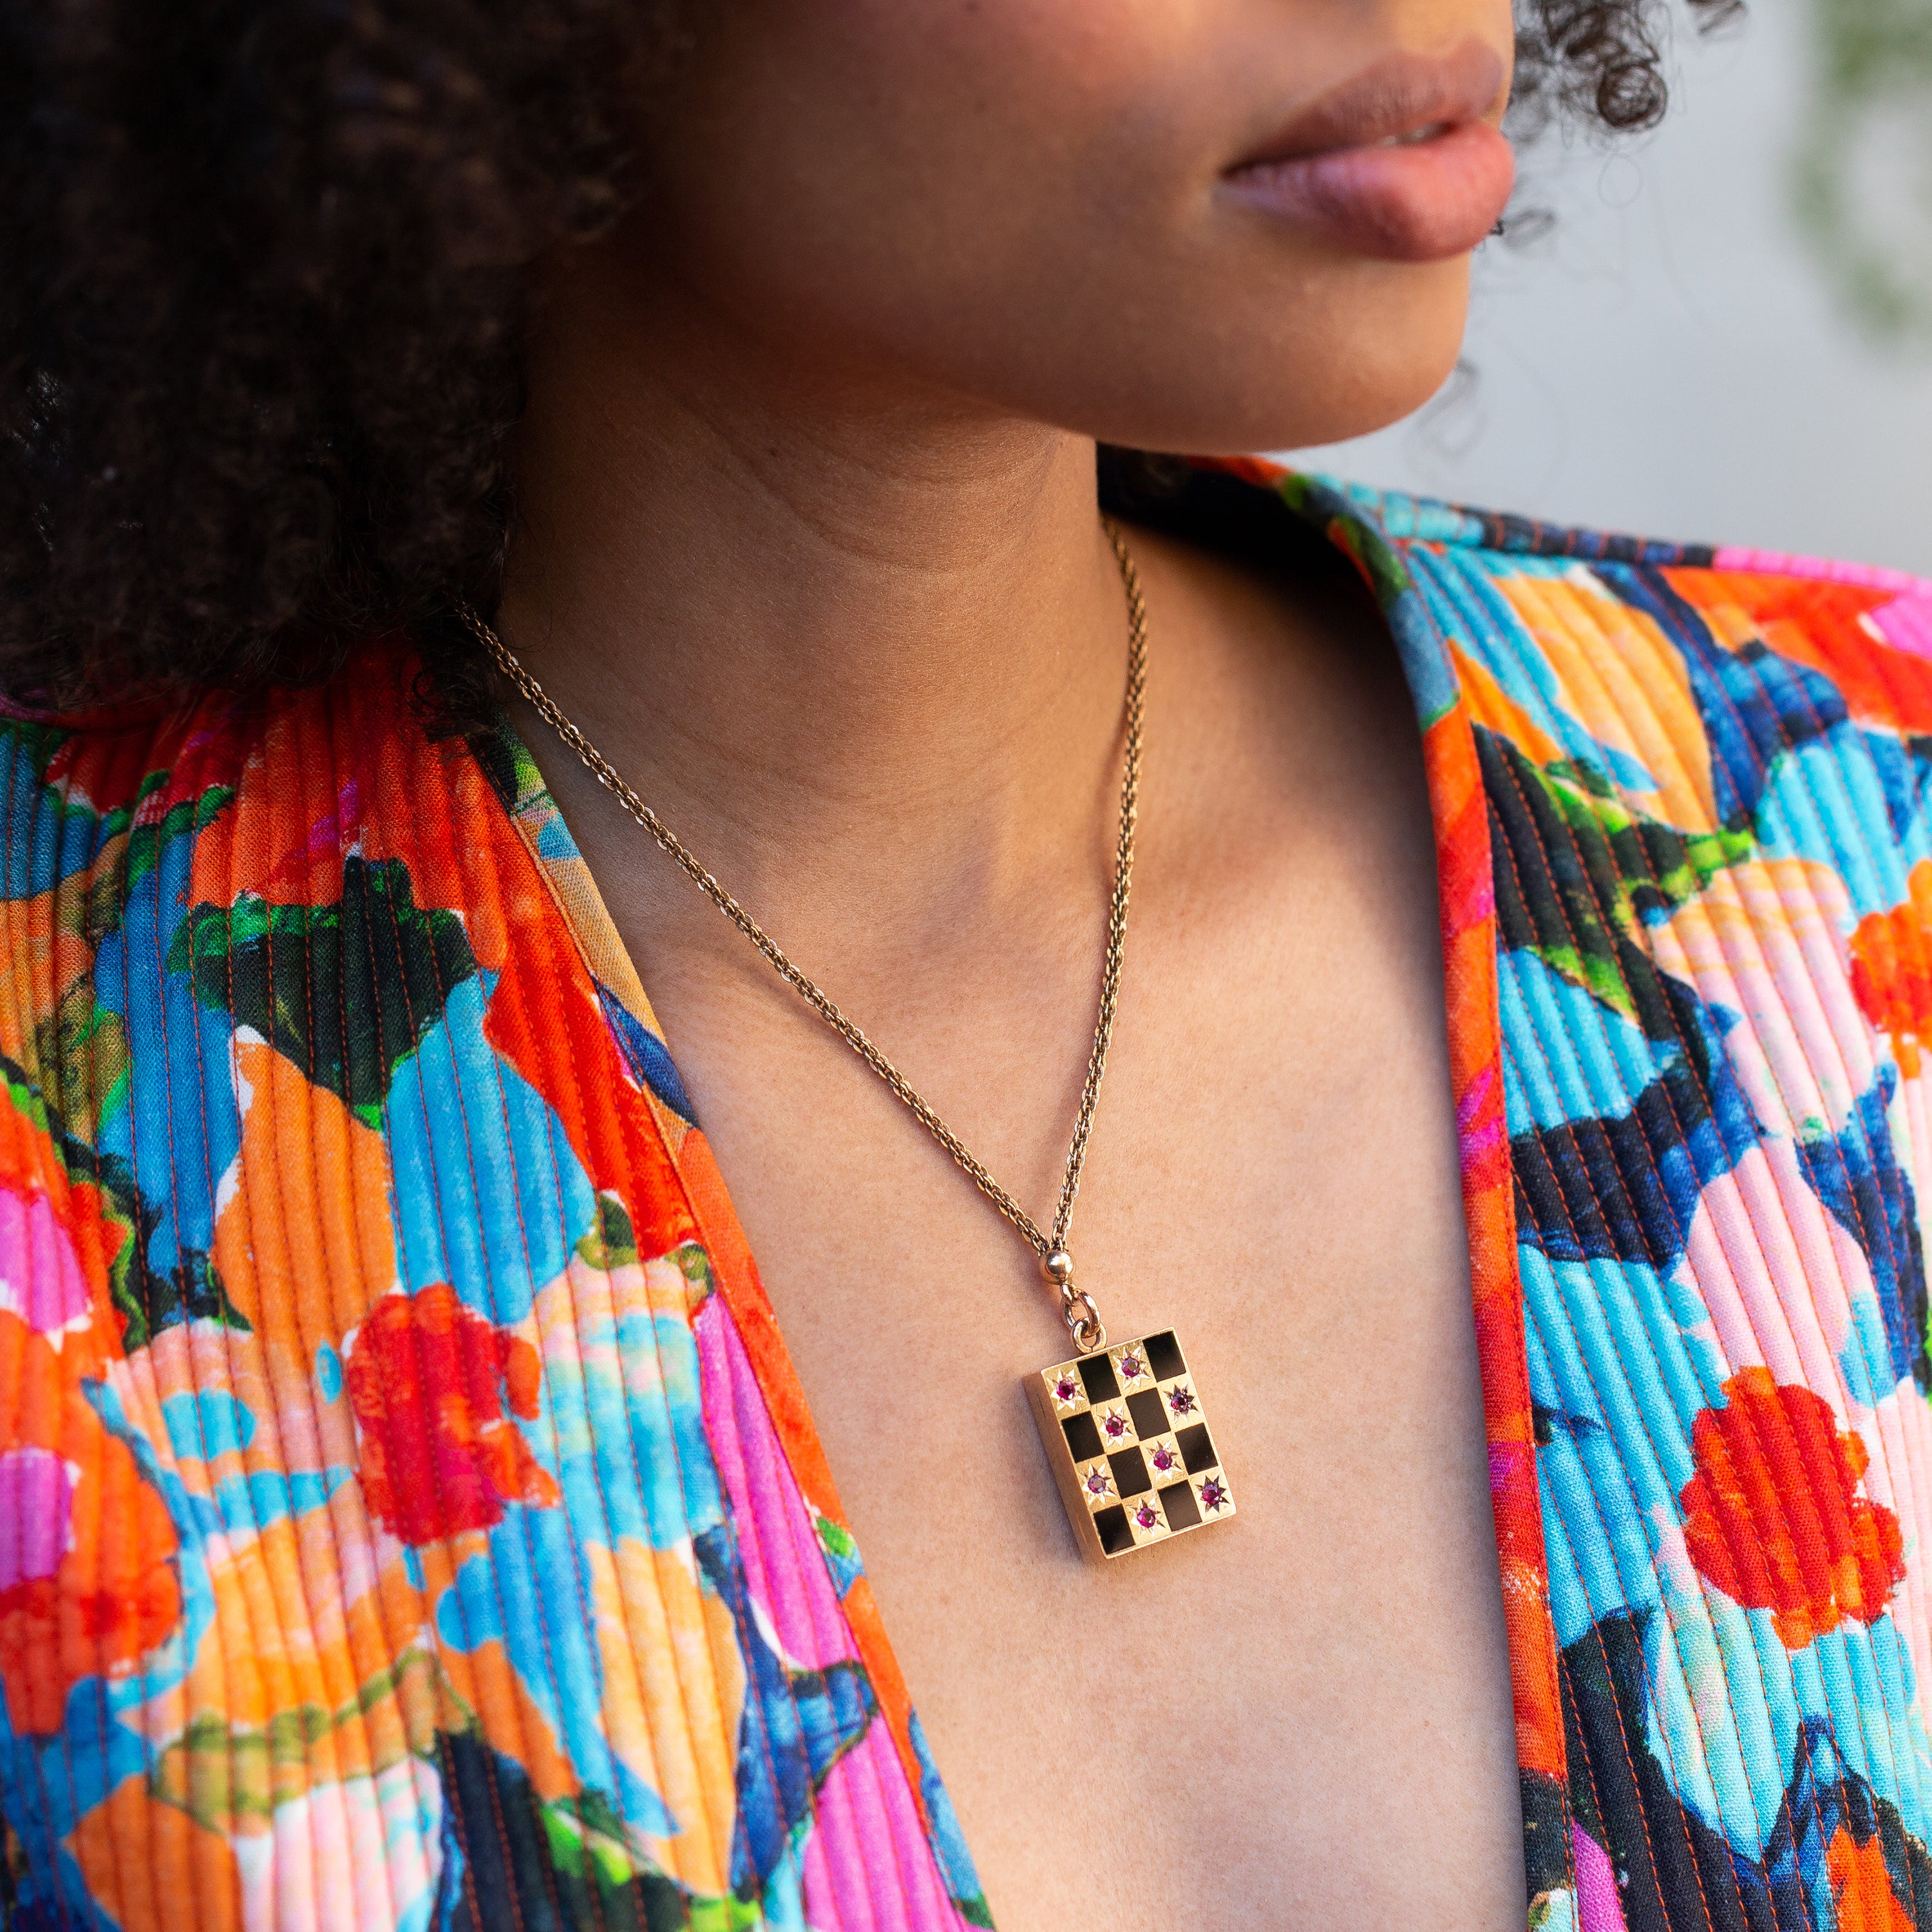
(1336, 347)
(1322, 387)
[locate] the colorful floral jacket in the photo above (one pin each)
(409, 1518)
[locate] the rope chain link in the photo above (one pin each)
(1077, 1307)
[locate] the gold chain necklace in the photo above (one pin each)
(1124, 1428)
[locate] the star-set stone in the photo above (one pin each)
(1127, 1437)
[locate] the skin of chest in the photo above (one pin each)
(1309, 1706)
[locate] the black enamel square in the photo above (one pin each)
(1097, 1372)
(1197, 1447)
(1115, 1536)
(1149, 1412)
(1183, 1512)
(1164, 1356)
(1130, 1475)
(1082, 1437)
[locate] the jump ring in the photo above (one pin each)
(1086, 1326)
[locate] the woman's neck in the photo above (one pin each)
(865, 649)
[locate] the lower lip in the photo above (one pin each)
(1423, 203)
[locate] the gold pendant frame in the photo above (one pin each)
(1128, 1439)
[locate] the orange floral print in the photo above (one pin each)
(1862, 1887)
(1891, 970)
(427, 1378)
(1773, 1516)
(87, 1578)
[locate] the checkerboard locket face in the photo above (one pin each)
(1128, 1439)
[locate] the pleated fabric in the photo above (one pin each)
(408, 1516)
(1704, 893)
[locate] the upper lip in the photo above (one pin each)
(1400, 94)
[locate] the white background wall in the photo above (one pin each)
(1670, 359)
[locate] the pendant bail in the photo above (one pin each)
(1076, 1306)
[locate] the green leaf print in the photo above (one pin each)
(1578, 873)
(346, 991)
(612, 1241)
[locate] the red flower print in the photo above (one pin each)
(1891, 970)
(1773, 1516)
(428, 1377)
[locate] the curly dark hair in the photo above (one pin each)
(261, 265)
